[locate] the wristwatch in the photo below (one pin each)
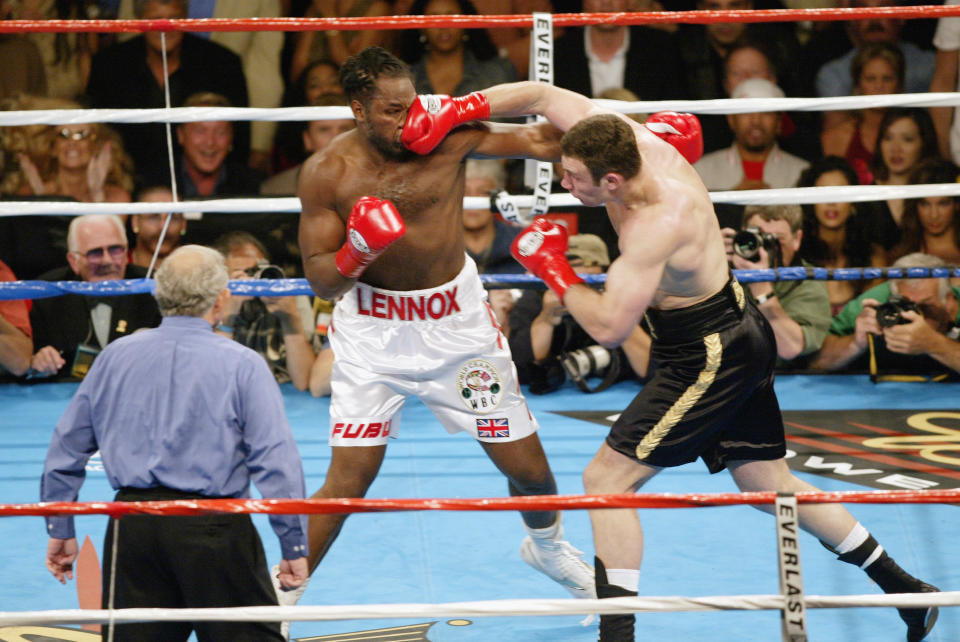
(763, 298)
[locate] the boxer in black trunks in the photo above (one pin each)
(712, 395)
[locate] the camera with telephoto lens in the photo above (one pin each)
(890, 313)
(748, 241)
(264, 270)
(587, 362)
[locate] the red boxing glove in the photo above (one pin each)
(542, 249)
(683, 131)
(431, 117)
(373, 225)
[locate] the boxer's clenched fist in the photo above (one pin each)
(542, 249)
(683, 131)
(431, 117)
(373, 225)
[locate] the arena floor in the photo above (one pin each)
(845, 433)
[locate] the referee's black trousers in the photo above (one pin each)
(186, 562)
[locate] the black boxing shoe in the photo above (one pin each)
(920, 621)
(893, 579)
(615, 627)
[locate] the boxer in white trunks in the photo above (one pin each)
(381, 227)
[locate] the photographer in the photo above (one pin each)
(903, 328)
(548, 346)
(278, 328)
(798, 311)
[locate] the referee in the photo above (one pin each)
(179, 412)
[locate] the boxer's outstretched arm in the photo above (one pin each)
(540, 141)
(431, 117)
(563, 108)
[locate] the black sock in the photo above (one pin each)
(614, 627)
(861, 554)
(888, 575)
(881, 569)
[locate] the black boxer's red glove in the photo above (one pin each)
(683, 131)
(542, 249)
(373, 225)
(431, 117)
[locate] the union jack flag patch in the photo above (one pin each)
(493, 428)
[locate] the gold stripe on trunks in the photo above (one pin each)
(690, 396)
(738, 293)
(653, 330)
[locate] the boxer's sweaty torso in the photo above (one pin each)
(428, 192)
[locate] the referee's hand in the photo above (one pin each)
(293, 573)
(61, 554)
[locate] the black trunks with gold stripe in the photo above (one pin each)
(711, 394)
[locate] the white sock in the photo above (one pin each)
(550, 533)
(857, 536)
(628, 578)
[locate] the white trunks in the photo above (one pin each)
(442, 345)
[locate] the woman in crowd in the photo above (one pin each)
(452, 61)
(320, 78)
(66, 56)
(906, 138)
(877, 69)
(84, 162)
(930, 224)
(835, 235)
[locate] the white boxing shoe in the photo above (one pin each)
(561, 562)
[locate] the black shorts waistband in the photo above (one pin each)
(721, 311)
(130, 494)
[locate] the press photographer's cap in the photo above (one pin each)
(590, 249)
(757, 88)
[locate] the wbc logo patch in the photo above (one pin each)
(479, 385)
(493, 428)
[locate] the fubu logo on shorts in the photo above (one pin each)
(361, 430)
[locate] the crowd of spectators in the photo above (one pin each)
(215, 159)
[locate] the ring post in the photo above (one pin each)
(793, 616)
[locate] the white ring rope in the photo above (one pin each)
(498, 608)
(172, 115)
(718, 106)
(858, 193)
(789, 195)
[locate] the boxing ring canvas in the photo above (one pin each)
(844, 433)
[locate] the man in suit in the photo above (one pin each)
(259, 52)
(70, 330)
(131, 75)
(615, 57)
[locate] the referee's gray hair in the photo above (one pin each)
(490, 168)
(189, 281)
(921, 260)
(77, 221)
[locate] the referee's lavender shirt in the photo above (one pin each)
(183, 407)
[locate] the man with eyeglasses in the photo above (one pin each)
(70, 330)
(900, 330)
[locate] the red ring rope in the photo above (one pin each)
(475, 22)
(526, 503)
